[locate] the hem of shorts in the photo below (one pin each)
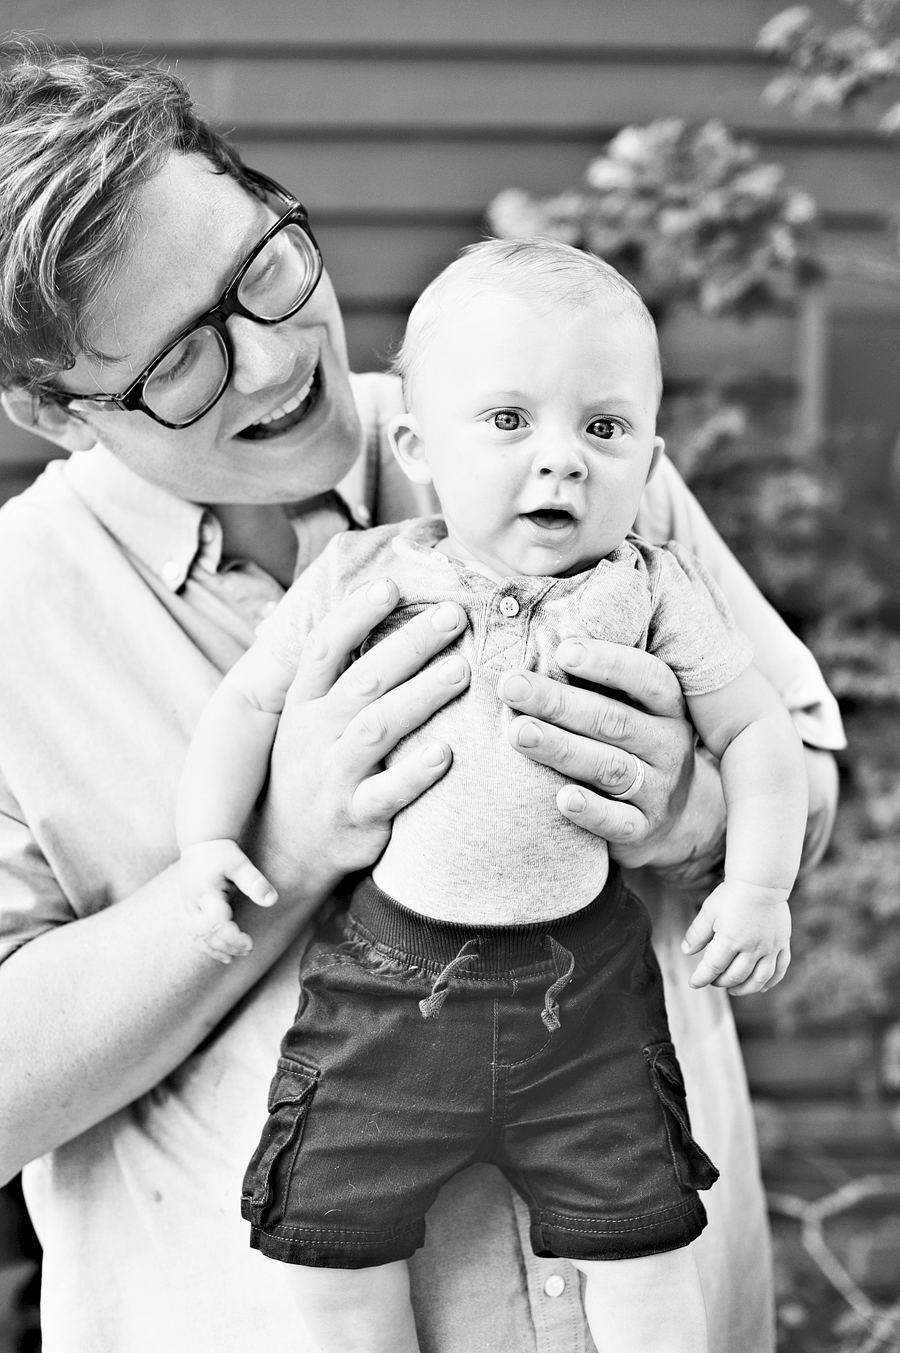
(558, 1238)
(334, 1249)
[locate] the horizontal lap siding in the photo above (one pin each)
(398, 122)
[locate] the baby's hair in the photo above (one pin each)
(536, 269)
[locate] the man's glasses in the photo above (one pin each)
(185, 380)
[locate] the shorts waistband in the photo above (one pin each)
(385, 922)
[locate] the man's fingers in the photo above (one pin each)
(381, 796)
(328, 647)
(642, 677)
(391, 662)
(617, 823)
(379, 726)
(576, 757)
(591, 714)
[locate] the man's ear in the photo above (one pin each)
(659, 447)
(408, 447)
(53, 421)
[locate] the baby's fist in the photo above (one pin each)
(746, 930)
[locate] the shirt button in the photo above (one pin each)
(555, 1285)
(170, 572)
(509, 606)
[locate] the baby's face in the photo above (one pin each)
(537, 424)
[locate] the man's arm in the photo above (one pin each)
(96, 1012)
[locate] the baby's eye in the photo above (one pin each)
(606, 428)
(507, 420)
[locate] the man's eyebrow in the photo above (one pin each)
(251, 236)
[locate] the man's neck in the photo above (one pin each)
(261, 533)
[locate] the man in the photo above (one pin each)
(140, 262)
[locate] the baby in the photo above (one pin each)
(491, 994)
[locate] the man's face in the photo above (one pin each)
(538, 426)
(194, 229)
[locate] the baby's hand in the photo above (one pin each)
(206, 870)
(748, 930)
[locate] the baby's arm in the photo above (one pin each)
(745, 923)
(225, 770)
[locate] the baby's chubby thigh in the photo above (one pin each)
(487, 843)
(652, 1304)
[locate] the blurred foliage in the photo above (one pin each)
(688, 214)
(694, 218)
(835, 70)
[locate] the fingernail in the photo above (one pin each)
(515, 687)
(571, 653)
(530, 735)
(379, 593)
(433, 756)
(445, 618)
(270, 898)
(451, 671)
(575, 802)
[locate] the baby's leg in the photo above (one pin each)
(356, 1310)
(648, 1305)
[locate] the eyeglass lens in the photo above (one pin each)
(191, 376)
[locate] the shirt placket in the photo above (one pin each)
(506, 623)
(554, 1296)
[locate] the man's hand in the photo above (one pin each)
(330, 802)
(594, 738)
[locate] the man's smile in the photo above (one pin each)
(287, 415)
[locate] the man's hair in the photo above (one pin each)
(536, 269)
(79, 137)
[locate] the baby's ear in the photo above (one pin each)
(408, 447)
(659, 447)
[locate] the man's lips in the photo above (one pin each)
(288, 414)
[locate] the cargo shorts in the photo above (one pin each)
(421, 1047)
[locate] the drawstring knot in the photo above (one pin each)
(550, 1012)
(431, 1006)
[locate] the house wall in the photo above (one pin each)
(396, 121)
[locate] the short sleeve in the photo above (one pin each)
(301, 608)
(31, 900)
(691, 626)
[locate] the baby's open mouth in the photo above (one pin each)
(292, 412)
(551, 518)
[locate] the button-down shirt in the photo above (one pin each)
(117, 619)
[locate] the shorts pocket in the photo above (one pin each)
(693, 1167)
(290, 1096)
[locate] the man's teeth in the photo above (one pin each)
(294, 402)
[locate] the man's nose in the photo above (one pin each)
(264, 354)
(559, 457)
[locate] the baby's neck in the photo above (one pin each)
(447, 547)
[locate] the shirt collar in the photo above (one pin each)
(166, 533)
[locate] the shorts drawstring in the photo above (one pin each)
(563, 961)
(431, 1006)
(550, 1012)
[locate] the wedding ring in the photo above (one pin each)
(635, 786)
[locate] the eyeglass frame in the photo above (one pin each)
(132, 399)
